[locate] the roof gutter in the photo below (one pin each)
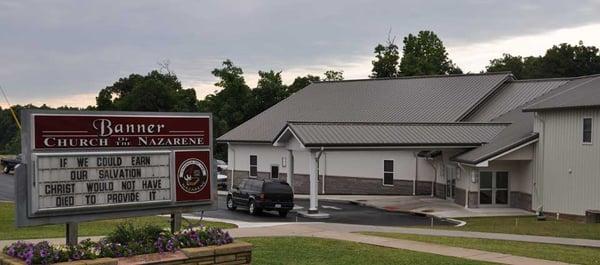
(485, 163)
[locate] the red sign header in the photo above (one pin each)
(122, 131)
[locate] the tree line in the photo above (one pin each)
(235, 101)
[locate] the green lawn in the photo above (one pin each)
(569, 254)
(528, 225)
(96, 228)
(308, 250)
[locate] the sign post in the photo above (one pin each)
(81, 166)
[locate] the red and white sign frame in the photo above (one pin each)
(84, 133)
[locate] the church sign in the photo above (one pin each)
(98, 165)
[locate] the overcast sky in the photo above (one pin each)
(64, 52)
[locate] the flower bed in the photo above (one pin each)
(125, 241)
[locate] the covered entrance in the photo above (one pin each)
(493, 188)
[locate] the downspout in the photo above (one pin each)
(540, 208)
(416, 173)
(318, 158)
(233, 167)
(431, 162)
(324, 170)
(462, 170)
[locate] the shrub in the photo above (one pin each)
(126, 240)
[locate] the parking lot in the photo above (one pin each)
(7, 187)
(340, 212)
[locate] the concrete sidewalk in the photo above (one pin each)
(425, 205)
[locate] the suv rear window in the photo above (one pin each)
(276, 187)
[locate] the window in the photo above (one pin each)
(253, 166)
(587, 130)
(388, 172)
(274, 171)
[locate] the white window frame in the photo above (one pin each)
(583, 130)
(250, 166)
(393, 172)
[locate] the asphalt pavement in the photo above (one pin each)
(341, 212)
(7, 187)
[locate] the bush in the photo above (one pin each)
(126, 240)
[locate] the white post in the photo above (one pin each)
(290, 168)
(313, 182)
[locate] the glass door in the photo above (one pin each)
(501, 188)
(493, 188)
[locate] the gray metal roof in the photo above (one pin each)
(414, 99)
(394, 134)
(512, 95)
(518, 132)
(521, 129)
(584, 94)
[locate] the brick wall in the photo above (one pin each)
(520, 200)
(234, 253)
(473, 199)
(348, 185)
(440, 190)
(460, 196)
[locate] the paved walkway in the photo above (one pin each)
(426, 205)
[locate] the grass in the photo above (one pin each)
(568, 254)
(528, 225)
(308, 250)
(94, 228)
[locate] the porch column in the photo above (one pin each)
(313, 181)
(290, 168)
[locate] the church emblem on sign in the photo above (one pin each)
(193, 175)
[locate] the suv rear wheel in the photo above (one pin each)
(252, 209)
(230, 204)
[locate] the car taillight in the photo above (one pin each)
(262, 196)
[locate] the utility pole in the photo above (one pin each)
(14, 115)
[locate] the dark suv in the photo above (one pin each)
(258, 195)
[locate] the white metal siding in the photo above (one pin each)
(570, 170)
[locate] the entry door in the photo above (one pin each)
(493, 188)
(450, 181)
(275, 171)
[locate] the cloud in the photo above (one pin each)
(475, 57)
(54, 49)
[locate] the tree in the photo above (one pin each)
(521, 68)
(563, 60)
(332, 75)
(302, 81)
(567, 60)
(153, 92)
(268, 92)
(425, 54)
(386, 60)
(229, 105)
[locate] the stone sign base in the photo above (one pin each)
(234, 253)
